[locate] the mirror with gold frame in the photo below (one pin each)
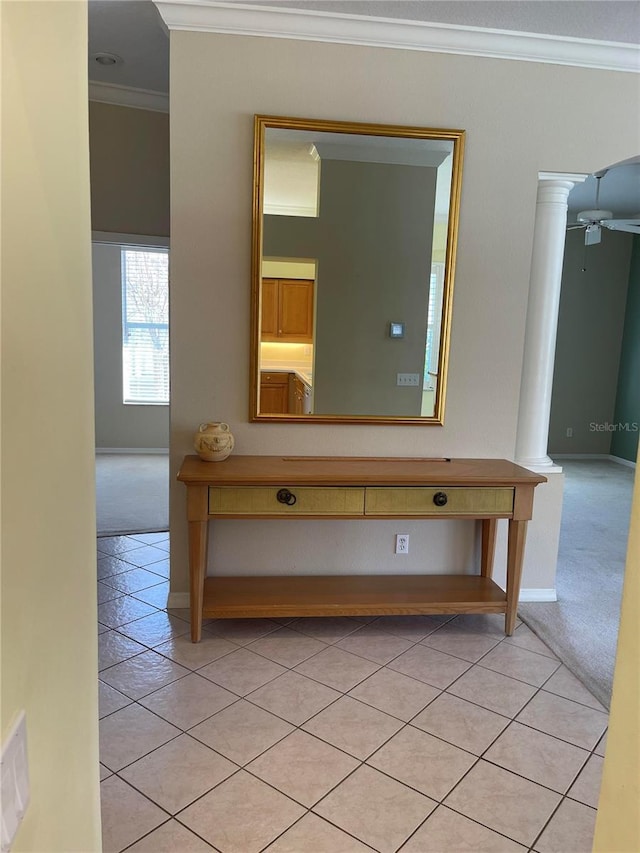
(354, 247)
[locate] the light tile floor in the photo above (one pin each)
(420, 734)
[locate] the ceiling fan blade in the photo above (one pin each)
(630, 225)
(592, 235)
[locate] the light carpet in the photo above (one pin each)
(581, 627)
(132, 493)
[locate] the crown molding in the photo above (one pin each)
(290, 210)
(127, 96)
(217, 16)
(118, 238)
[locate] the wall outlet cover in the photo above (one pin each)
(402, 543)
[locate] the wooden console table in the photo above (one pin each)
(357, 488)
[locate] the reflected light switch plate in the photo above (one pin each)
(408, 379)
(15, 781)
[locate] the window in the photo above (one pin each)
(145, 325)
(434, 313)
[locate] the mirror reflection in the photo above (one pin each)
(354, 252)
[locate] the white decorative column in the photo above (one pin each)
(542, 319)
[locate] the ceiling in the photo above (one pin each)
(619, 192)
(604, 20)
(134, 31)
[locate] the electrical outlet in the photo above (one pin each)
(408, 379)
(402, 543)
(569, 432)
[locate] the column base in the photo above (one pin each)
(539, 464)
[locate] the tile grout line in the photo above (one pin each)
(308, 812)
(473, 820)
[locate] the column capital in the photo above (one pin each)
(574, 177)
(554, 191)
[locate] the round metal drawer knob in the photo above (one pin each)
(440, 499)
(284, 496)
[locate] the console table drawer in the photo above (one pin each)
(294, 500)
(438, 501)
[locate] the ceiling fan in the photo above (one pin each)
(593, 221)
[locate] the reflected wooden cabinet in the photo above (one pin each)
(299, 396)
(283, 392)
(287, 310)
(274, 392)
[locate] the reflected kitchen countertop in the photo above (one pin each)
(305, 375)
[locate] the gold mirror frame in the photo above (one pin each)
(457, 137)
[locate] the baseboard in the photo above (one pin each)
(579, 456)
(528, 596)
(181, 599)
(178, 600)
(111, 450)
(606, 456)
(620, 461)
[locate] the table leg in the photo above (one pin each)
(198, 546)
(489, 528)
(515, 555)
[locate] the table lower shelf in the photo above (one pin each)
(350, 595)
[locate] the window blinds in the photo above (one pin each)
(145, 325)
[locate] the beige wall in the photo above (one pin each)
(520, 118)
(49, 654)
(618, 821)
(129, 170)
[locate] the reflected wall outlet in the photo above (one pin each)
(408, 379)
(402, 543)
(569, 432)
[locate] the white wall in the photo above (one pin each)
(49, 641)
(520, 118)
(117, 425)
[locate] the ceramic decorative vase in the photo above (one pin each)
(213, 441)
